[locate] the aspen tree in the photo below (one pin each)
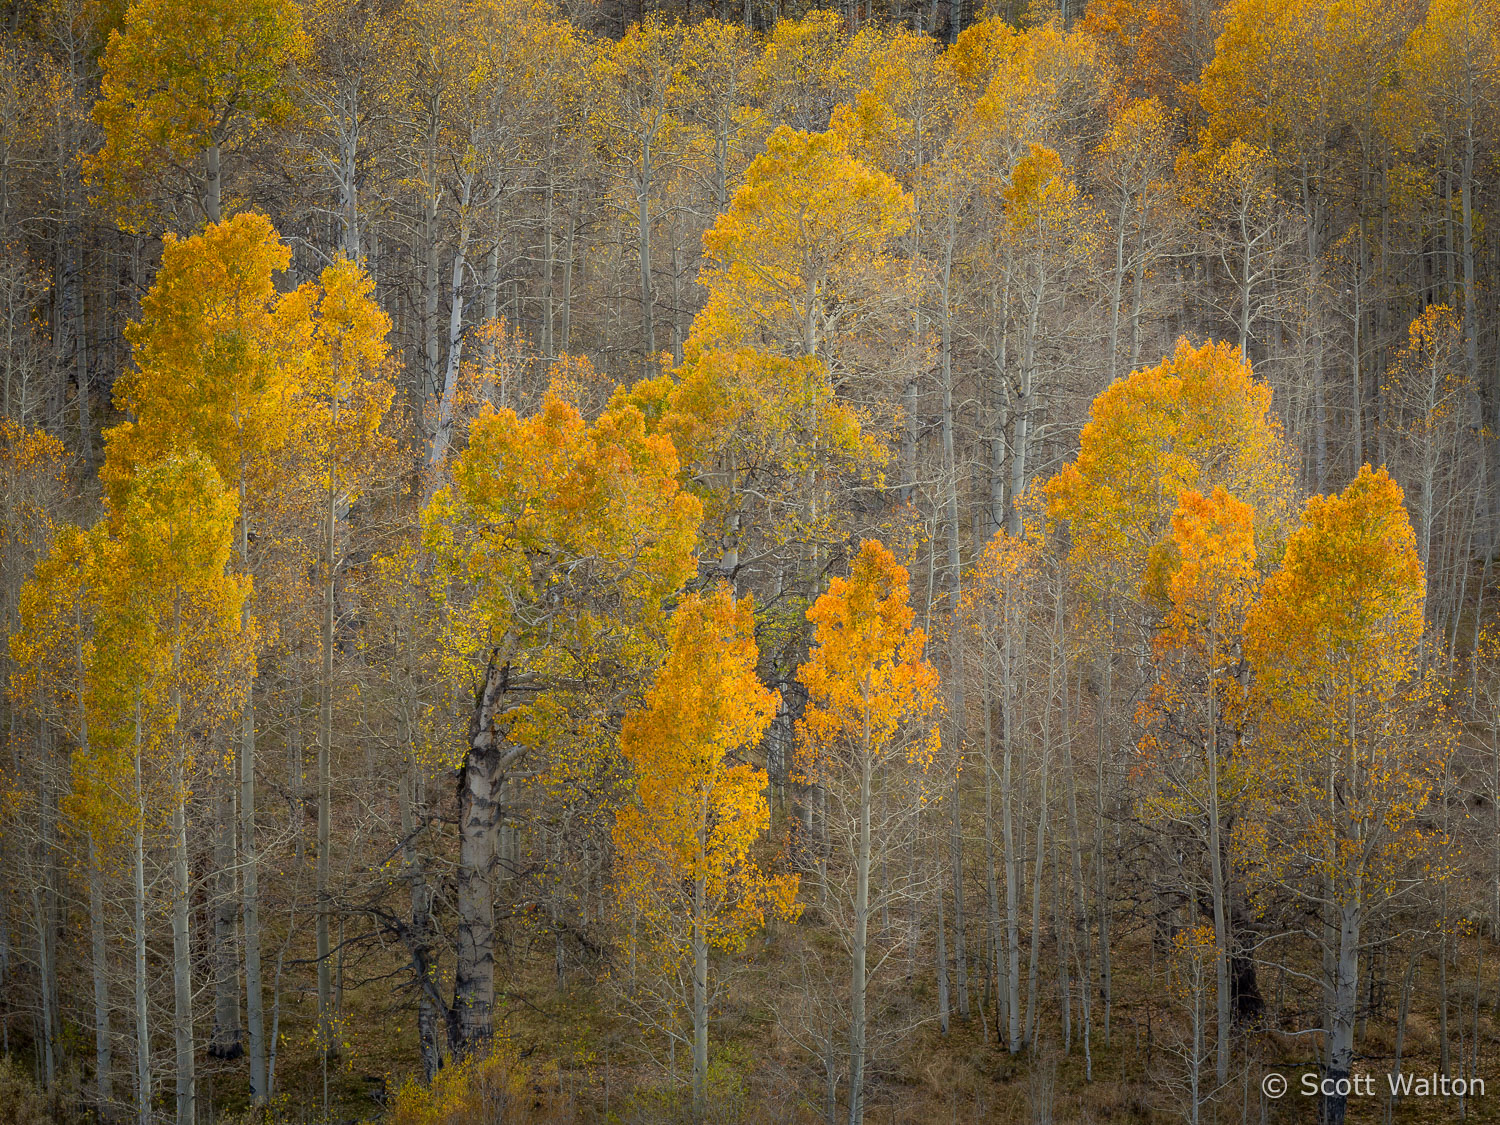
(51, 655)
(1342, 771)
(749, 429)
(174, 635)
(1194, 719)
(1450, 60)
(1429, 412)
(340, 404)
(33, 492)
(1197, 420)
(1046, 235)
(113, 772)
(1240, 214)
(185, 84)
(1004, 612)
(792, 260)
(554, 547)
(1195, 952)
(1310, 84)
(872, 698)
(687, 877)
(216, 357)
(348, 87)
(1133, 159)
(465, 125)
(718, 70)
(643, 78)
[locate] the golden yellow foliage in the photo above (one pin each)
(183, 78)
(1348, 749)
(478, 1089)
(870, 689)
(685, 870)
(1197, 421)
(559, 538)
(803, 242)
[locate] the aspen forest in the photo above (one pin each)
(584, 561)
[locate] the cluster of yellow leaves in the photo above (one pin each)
(1161, 47)
(179, 603)
(133, 630)
(1302, 80)
(1200, 687)
(1195, 952)
(498, 1085)
(1045, 217)
(1138, 146)
(1349, 746)
(1234, 184)
(229, 366)
(286, 393)
(1197, 421)
(1347, 599)
(52, 637)
(803, 250)
(751, 427)
(997, 597)
(137, 628)
(870, 689)
(741, 403)
(559, 538)
(1215, 580)
(33, 477)
(684, 843)
(809, 66)
(787, 265)
(184, 76)
(1426, 388)
(215, 352)
(904, 107)
(1041, 85)
(1194, 717)
(1451, 59)
(1297, 697)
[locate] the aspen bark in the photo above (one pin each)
(99, 947)
(428, 1004)
(226, 1041)
(1011, 858)
(142, 1029)
(700, 994)
(182, 956)
(950, 465)
(858, 981)
(212, 184)
(255, 1039)
(443, 436)
(490, 754)
(325, 757)
(643, 221)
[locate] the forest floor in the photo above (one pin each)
(576, 1059)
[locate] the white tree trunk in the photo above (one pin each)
(858, 947)
(100, 950)
(142, 1030)
(182, 956)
